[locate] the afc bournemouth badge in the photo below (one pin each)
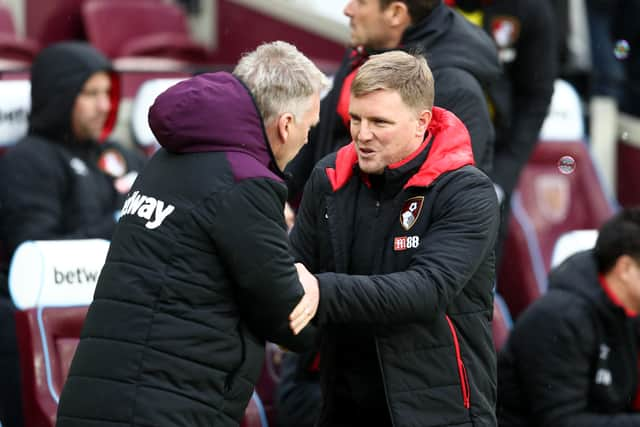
(410, 212)
(112, 163)
(505, 30)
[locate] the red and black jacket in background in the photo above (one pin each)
(463, 60)
(53, 186)
(572, 357)
(525, 33)
(427, 300)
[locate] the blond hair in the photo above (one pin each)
(407, 74)
(280, 78)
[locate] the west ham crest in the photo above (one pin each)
(410, 212)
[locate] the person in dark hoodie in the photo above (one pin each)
(63, 180)
(572, 356)
(462, 57)
(399, 227)
(199, 272)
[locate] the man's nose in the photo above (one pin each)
(104, 102)
(348, 9)
(364, 132)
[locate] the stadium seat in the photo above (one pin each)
(254, 415)
(144, 98)
(14, 111)
(628, 160)
(571, 242)
(12, 47)
(269, 379)
(51, 284)
(559, 190)
(142, 28)
(501, 324)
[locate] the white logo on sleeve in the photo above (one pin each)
(149, 208)
(603, 377)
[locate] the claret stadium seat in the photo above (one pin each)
(51, 284)
(12, 47)
(141, 28)
(558, 191)
(502, 323)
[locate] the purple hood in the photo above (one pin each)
(214, 112)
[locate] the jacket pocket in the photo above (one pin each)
(462, 371)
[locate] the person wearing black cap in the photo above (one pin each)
(63, 180)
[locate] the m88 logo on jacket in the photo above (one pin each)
(408, 216)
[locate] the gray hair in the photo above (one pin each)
(280, 78)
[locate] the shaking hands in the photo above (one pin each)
(308, 305)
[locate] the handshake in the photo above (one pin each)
(308, 305)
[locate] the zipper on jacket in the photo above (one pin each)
(462, 371)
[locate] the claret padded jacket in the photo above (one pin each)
(198, 275)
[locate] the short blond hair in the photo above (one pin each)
(397, 70)
(280, 78)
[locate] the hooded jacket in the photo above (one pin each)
(427, 297)
(525, 33)
(198, 275)
(463, 60)
(53, 186)
(572, 357)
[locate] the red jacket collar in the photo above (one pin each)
(450, 150)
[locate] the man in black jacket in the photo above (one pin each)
(572, 357)
(463, 60)
(63, 180)
(199, 272)
(525, 35)
(399, 228)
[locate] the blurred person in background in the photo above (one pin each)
(524, 32)
(63, 180)
(572, 356)
(463, 60)
(199, 272)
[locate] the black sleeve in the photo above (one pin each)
(553, 349)
(461, 236)
(33, 191)
(459, 92)
(532, 77)
(250, 235)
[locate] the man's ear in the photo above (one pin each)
(623, 267)
(397, 14)
(285, 120)
(424, 118)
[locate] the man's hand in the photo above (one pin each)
(308, 305)
(289, 216)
